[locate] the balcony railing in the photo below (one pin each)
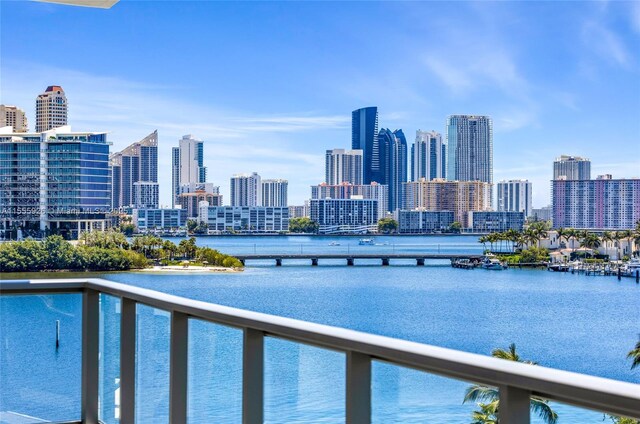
(516, 382)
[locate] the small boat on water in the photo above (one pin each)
(334, 243)
(492, 264)
(366, 242)
(631, 267)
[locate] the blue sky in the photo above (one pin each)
(270, 86)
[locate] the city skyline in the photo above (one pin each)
(265, 125)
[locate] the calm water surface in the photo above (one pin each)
(572, 322)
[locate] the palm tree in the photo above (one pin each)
(571, 234)
(512, 236)
(488, 414)
(634, 355)
(478, 393)
(618, 236)
(628, 235)
(606, 237)
(483, 240)
(590, 240)
(562, 233)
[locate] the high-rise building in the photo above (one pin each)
(56, 181)
(191, 201)
(188, 164)
(496, 221)
(544, 213)
(571, 168)
(343, 166)
(300, 211)
(442, 195)
(51, 109)
(249, 219)
(12, 116)
(515, 196)
(603, 203)
(274, 193)
(355, 215)
(364, 136)
(392, 170)
(423, 222)
(379, 192)
(134, 174)
(428, 156)
(146, 194)
(470, 148)
(246, 190)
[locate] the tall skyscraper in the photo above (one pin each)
(58, 182)
(343, 166)
(246, 190)
(364, 136)
(134, 174)
(571, 168)
(274, 193)
(51, 109)
(392, 170)
(515, 196)
(428, 156)
(188, 164)
(470, 148)
(12, 116)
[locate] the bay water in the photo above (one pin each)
(573, 322)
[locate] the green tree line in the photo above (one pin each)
(103, 251)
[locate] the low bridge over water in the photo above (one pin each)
(350, 259)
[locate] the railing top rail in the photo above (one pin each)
(592, 392)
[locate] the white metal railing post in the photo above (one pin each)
(515, 405)
(178, 368)
(358, 396)
(253, 377)
(127, 361)
(90, 355)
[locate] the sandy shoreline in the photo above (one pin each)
(190, 269)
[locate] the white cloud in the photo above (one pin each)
(452, 76)
(605, 43)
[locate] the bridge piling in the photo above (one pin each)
(420, 261)
(278, 261)
(350, 262)
(385, 261)
(314, 261)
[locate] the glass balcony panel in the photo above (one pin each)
(303, 383)
(568, 414)
(405, 395)
(152, 365)
(37, 380)
(215, 373)
(109, 388)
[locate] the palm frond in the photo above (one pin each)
(634, 355)
(478, 393)
(542, 409)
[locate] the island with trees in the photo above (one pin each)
(111, 251)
